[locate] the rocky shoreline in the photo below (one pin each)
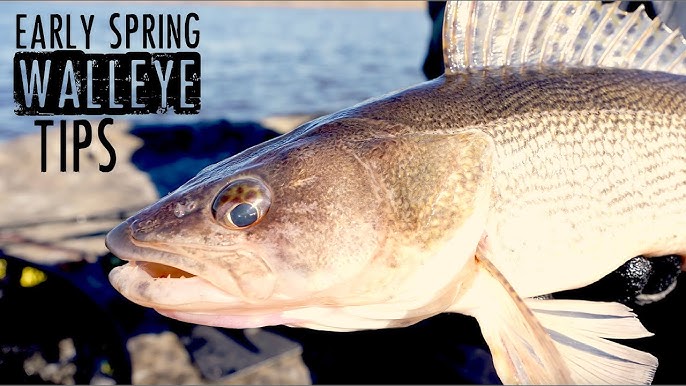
(52, 228)
(54, 265)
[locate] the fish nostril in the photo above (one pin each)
(140, 228)
(181, 209)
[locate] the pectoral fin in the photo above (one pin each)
(536, 341)
(522, 351)
(579, 329)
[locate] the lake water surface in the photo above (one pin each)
(256, 61)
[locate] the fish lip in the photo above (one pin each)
(120, 242)
(141, 288)
(191, 299)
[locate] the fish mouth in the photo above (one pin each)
(172, 284)
(153, 261)
(162, 279)
(161, 271)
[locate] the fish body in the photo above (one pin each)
(521, 172)
(593, 161)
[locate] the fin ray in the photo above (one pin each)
(514, 27)
(615, 50)
(553, 341)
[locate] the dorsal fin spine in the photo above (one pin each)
(496, 34)
(488, 38)
(644, 36)
(568, 49)
(470, 33)
(549, 32)
(598, 31)
(679, 59)
(517, 21)
(530, 33)
(628, 22)
(457, 27)
(656, 54)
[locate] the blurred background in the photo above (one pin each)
(266, 67)
(258, 59)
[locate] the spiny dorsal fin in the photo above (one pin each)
(488, 34)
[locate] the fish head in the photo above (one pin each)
(308, 223)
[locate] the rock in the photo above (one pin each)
(161, 359)
(286, 369)
(60, 372)
(251, 356)
(54, 217)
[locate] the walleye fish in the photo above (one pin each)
(552, 151)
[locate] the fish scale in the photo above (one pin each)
(636, 182)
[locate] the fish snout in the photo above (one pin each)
(164, 236)
(167, 219)
(118, 237)
(135, 228)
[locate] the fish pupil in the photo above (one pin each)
(243, 215)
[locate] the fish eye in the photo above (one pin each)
(242, 203)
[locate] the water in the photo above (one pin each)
(256, 61)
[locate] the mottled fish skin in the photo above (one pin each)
(592, 160)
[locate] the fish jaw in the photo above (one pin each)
(192, 300)
(186, 295)
(191, 294)
(163, 277)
